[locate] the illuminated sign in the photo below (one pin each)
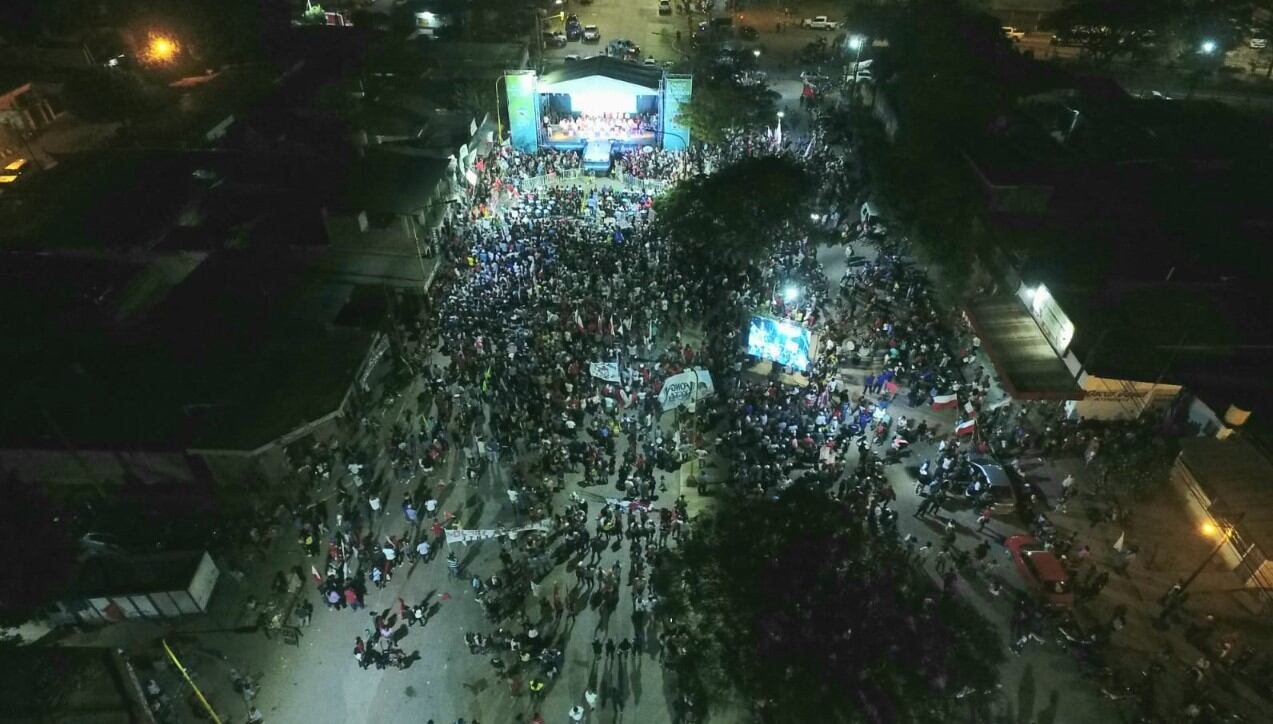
(1056, 327)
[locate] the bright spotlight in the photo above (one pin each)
(1208, 47)
(791, 293)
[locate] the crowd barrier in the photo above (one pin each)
(646, 185)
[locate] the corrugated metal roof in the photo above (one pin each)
(623, 70)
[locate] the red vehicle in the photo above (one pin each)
(1041, 570)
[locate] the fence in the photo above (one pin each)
(653, 187)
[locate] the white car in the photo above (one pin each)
(819, 22)
(1013, 33)
(591, 34)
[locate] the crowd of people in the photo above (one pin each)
(599, 126)
(558, 315)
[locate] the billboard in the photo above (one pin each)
(523, 110)
(780, 341)
(676, 93)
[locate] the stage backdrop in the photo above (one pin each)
(676, 92)
(523, 110)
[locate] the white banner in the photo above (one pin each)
(689, 386)
(465, 535)
(608, 371)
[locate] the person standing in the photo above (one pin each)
(610, 648)
(590, 697)
(453, 565)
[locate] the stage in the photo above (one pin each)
(597, 103)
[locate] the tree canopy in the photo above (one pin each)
(796, 607)
(717, 108)
(734, 216)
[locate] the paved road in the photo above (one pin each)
(1043, 670)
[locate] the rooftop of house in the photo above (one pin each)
(243, 349)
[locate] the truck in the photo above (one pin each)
(819, 22)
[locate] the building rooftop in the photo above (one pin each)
(1028, 367)
(606, 67)
(239, 353)
(108, 202)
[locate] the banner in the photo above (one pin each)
(608, 371)
(463, 535)
(967, 427)
(688, 387)
(523, 109)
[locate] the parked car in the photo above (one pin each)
(572, 57)
(591, 34)
(991, 479)
(1041, 570)
(623, 48)
(665, 7)
(1013, 33)
(649, 60)
(574, 29)
(819, 22)
(557, 40)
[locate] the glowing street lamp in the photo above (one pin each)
(160, 49)
(1208, 47)
(756, 52)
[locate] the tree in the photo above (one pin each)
(475, 97)
(716, 108)
(41, 552)
(733, 217)
(794, 605)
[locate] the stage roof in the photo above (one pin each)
(584, 74)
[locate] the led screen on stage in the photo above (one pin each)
(780, 341)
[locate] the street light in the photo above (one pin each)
(756, 52)
(160, 49)
(1211, 530)
(1208, 47)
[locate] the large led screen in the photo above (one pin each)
(780, 341)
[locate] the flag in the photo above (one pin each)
(966, 427)
(945, 402)
(1118, 544)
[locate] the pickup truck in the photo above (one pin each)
(819, 22)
